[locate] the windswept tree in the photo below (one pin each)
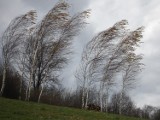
(94, 56)
(129, 80)
(11, 38)
(47, 49)
(125, 49)
(132, 66)
(105, 56)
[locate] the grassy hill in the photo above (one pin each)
(19, 110)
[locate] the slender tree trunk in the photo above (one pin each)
(20, 89)
(106, 104)
(121, 97)
(101, 95)
(120, 104)
(101, 102)
(34, 55)
(39, 98)
(3, 80)
(121, 101)
(83, 97)
(28, 91)
(21, 80)
(86, 103)
(83, 93)
(29, 87)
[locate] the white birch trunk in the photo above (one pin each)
(21, 80)
(121, 100)
(120, 103)
(83, 93)
(101, 96)
(83, 97)
(86, 103)
(29, 88)
(106, 103)
(40, 94)
(32, 72)
(3, 80)
(20, 89)
(39, 98)
(121, 96)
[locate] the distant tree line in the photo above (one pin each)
(34, 55)
(62, 97)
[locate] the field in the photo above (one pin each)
(20, 110)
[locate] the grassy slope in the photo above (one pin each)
(19, 110)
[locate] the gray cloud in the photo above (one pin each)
(104, 14)
(9, 10)
(41, 6)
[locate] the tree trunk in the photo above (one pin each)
(32, 77)
(86, 103)
(83, 93)
(3, 81)
(83, 96)
(32, 72)
(121, 96)
(29, 89)
(121, 101)
(120, 104)
(106, 104)
(101, 96)
(20, 89)
(40, 94)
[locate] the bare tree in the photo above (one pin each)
(111, 60)
(132, 65)
(94, 56)
(11, 39)
(103, 57)
(115, 62)
(48, 47)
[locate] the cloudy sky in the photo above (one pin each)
(103, 15)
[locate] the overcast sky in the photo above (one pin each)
(103, 15)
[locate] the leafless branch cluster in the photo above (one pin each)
(45, 46)
(12, 38)
(108, 53)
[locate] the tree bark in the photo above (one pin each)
(83, 97)
(106, 104)
(86, 103)
(39, 98)
(29, 89)
(20, 87)
(3, 81)
(121, 100)
(83, 93)
(32, 71)
(101, 95)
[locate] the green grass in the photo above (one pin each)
(19, 110)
